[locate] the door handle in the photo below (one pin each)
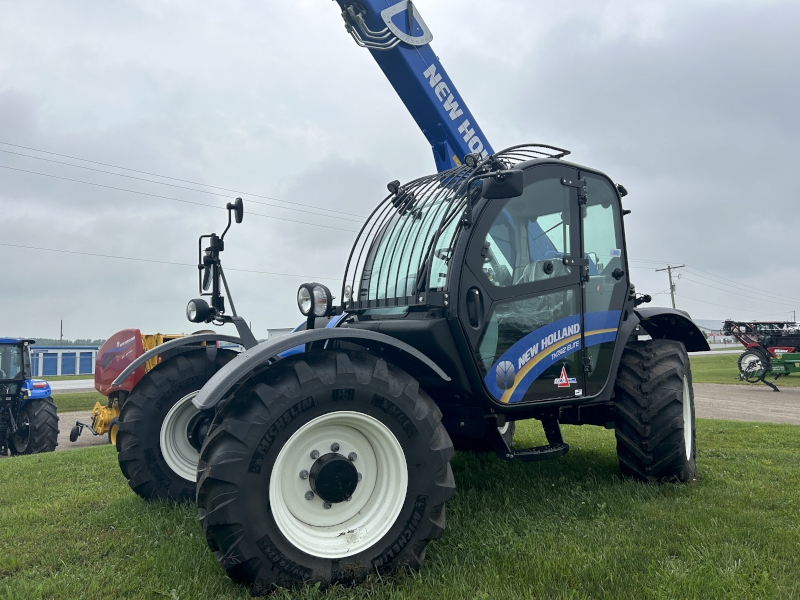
(475, 308)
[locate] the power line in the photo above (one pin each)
(731, 307)
(216, 187)
(739, 285)
(162, 262)
(740, 294)
(182, 187)
(111, 187)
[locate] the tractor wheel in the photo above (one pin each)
(324, 468)
(113, 428)
(160, 431)
(486, 443)
(655, 412)
(38, 432)
(753, 365)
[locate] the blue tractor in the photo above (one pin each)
(28, 418)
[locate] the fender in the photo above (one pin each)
(184, 341)
(242, 367)
(672, 324)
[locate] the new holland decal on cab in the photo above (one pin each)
(519, 366)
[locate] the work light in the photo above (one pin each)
(198, 310)
(304, 300)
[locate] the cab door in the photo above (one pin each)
(606, 287)
(521, 299)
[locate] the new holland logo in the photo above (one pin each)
(505, 375)
(564, 381)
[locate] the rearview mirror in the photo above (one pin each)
(504, 184)
(238, 210)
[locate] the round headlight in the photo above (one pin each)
(322, 301)
(304, 300)
(197, 310)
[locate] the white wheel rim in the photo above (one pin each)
(751, 363)
(345, 528)
(687, 418)
(178, 453)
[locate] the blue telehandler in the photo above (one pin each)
(28, 417)
(492, 291)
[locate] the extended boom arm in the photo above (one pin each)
(399, 41)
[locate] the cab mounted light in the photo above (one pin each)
(472, 160)
(198, 311)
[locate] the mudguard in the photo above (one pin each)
(189, 339)
(35, 388)
(242, 367)
(672, 324)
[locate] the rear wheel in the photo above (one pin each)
(37, 428)
(324, 468)
(753, 365)
(655, 412)
(160, 431)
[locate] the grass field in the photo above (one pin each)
(65, 377)
(71, 528)
(722, 368)
(77, 401)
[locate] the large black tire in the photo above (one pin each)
(42, 433)
(138, 440)
(488, 443)
(236, 510)
(655, 412)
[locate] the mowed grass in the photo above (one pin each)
(723, 368)
(573, 528)
(78, 401)
(65, 377)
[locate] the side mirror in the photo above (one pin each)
(504, 184)
(238, 210)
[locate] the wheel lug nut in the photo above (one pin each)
(303, 474)
(326, 505)
(352, 456)
(315, 454)
(334, 447)
(309, 495)
(359, 476)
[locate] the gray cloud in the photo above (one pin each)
(691, 105)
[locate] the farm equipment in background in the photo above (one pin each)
(118, 352)
(28, 416)
(772, 349)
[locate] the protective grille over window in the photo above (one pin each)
(404, 249)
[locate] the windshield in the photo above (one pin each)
(405, 247)
(11, 361)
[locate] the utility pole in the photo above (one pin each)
(61, 335)
(669, 269)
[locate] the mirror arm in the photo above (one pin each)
(229, 224)
(227, 290)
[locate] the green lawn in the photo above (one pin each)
(71, 528)
(78, 401)
(64, 377)
(722, 368)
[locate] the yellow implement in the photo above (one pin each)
(105, 420)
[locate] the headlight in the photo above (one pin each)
(322, 301)
(304, 300)
(314, 299)
(198, 310)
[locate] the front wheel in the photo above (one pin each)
(655, 412)
(160, 432)
(37, 431)
(325, 467)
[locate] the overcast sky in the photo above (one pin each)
(692, 105)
